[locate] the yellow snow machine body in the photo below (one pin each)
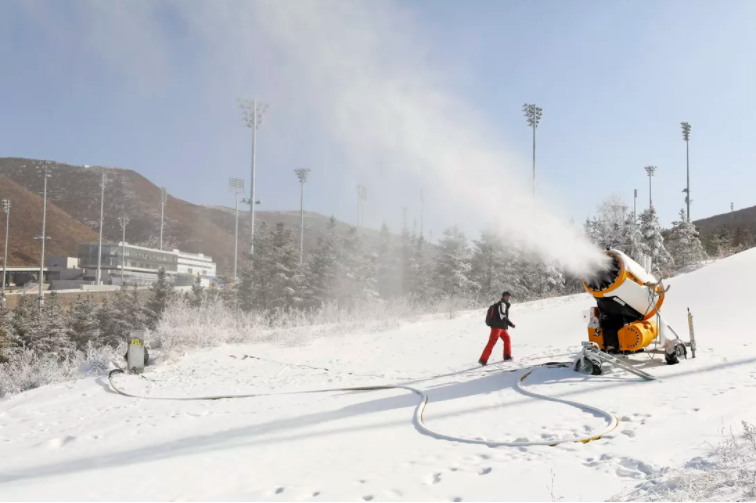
(626, 319)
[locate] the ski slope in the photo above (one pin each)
(81, 441)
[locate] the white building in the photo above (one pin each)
(195, 263)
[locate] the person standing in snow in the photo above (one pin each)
(497, 317)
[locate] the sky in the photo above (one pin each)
(397, 96)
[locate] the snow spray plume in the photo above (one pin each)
(387, 111)
(357, 75)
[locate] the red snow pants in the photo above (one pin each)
(495, 334)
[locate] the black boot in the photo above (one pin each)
(508, 358)
(482, 363)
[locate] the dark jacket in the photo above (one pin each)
(494, 318)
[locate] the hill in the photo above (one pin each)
(25, 225)
(75, 191)
(744, 219)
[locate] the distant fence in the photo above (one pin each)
(70, 297)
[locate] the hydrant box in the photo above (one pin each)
(135, 354)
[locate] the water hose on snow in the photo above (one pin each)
(612, 421)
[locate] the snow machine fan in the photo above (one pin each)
(626, 318)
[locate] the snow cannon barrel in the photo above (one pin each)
(627, 284)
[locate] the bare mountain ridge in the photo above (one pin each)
(74, 192)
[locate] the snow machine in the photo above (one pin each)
(626, 319)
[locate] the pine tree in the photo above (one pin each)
(491, 265)
(356, 271)
(388, 273)
(634, 246)
(49, 329)
(653, 240)
(255, 290)
(420, 272)
(453, 265)
(198, 293)
(83, 327)
(161, 294)
(6, 332)
(20, 323)
(684, 244)
(286, 273)
(322, 278)
(110, 325)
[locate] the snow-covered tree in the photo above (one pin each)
(453, 263)
(653, 240)
(111, 325)
(356, 271)
(322, 270)
(608, 229)
(683, 243)
(492, 265)
(634, 246)
(84, 327)
(198, 293)
(389, 274)
(6, 332)
(20, 322)
(48, 329)
(161, 293)
(286, 274)
(420, 274)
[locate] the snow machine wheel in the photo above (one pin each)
(671, 359)
(586, 366)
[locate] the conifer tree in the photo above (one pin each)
(161, 294)
(6, 332)
(420, 272)
(198, 293)
(634, 246)
(286, 274)
(387, 266)
(49, 329)
(83, 327)
(109, 323)
(322, 279)
(21, 321)
(255, 290)
(684, 244)
(453, 265)
(356, 271)
(491, 265)
(653, 240)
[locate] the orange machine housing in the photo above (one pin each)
(637, 335)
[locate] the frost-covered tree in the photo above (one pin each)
(653, 240)
(389, 273)
(322, 270)
(286, 274)
(20, 322)
(6, 332)
(634, 246)
(198, 293)
(111, 325)
(161, 293)
(84, 327)
(492, 266)
(453, 264)
(683, 243)
(420, 273)
(356, 271)
(49, 329)
(608, 229)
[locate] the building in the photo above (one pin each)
(194, 264)
(140, 265)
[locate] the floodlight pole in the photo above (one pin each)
(99, 245)
(43, 238)
(163, 200)
(302, 175)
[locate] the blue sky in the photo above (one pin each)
(152, 87)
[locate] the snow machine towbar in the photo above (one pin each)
(627, 317)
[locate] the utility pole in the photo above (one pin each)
(650, 170)
(686, 137)
(533, 117)
(635, 202)
(237, 187)
(252, 116)
(123, 219)
(163, 200)
(302, 175)
(42, 238)
(99, 245)
(6, 209)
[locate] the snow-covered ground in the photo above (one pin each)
(81, 441)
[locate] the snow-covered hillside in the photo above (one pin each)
(80, 440)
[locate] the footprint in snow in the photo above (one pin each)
(485, 471)
(279, 490)
(433, 479)
(629, 433)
